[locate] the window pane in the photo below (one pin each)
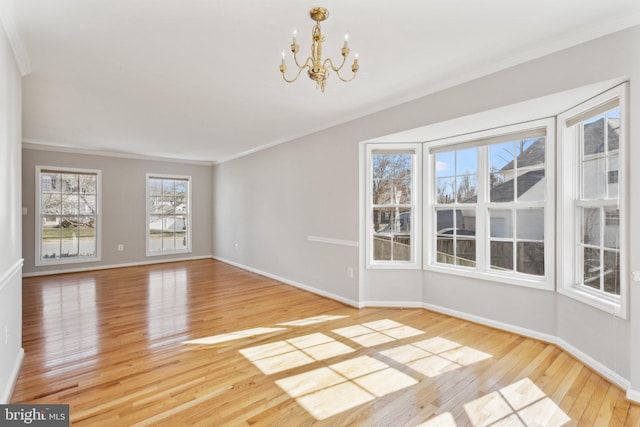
(88, 184)
(381, 192)
(532, 186)
(445, 250)
(168, 187)
(181, 188)
(402, 191)
(51, 204)
(501, 224)
(155, 187)
(612, 176)
(155, 233)
(87, 245)
(69, 243)
(50, 248)
(530, 152)
(594, 135)
(87, 205)
(594, 177)
(612, 227)
(467, 188)
(612, 272)
(383, 219)
(530, 224)
(381, 248)
(467, 161)
(501, 157)
(591, 226)
(181, 240)
(50, 182)
(447, 222)
(613, 134)
(466, 252)
(502, 187)
(445, 190)
(530, 258)
(501, 256)
(445, 164)
(591, 267)
(70, 183)
(86, 226)
(70, 204)
(402, 248)
(168, 241)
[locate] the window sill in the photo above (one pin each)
(393, 265)
(184, 251)
(519, 280)
(70, 260)
(585, 297)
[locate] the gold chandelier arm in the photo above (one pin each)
(300, 68)
(354, 68)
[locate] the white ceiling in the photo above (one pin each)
(199, 79)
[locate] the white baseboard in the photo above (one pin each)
(106, 267)
(391, 304)
(633, 395)
(600, 368)
(13, 378)
(316, 291)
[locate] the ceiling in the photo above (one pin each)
(199, 79)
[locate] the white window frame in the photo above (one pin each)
(416, 226)
(189, 233)
(98, 238)
(481, 270)
(568, 222)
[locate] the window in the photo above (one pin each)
(592, 189)
(68, 215)
(168, 214)
(490, 210)
(393, 205)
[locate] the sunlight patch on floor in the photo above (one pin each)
(442, 420)
(519, 404)
(379, 332)
(330, 390)
(247, 333)
(282, 355)
(312, 320)
(435, 356)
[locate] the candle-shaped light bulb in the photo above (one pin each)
(283, 54)
(295, 34)
(346, 40)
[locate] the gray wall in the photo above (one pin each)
(123, 206)
(11, 352)
(269, 202)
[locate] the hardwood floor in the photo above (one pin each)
(204, 343)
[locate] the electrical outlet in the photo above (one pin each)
(120, 247)
(350, 272)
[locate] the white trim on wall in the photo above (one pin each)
(8, 275)
(13, 378)
(106, 267)
(600, 368)
(332, 241)
(299, 285)
(28, 144)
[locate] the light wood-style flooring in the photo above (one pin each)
(205, 343)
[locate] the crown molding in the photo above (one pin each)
(9, 23)
(32, 145)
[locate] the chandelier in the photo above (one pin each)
(317, 69)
